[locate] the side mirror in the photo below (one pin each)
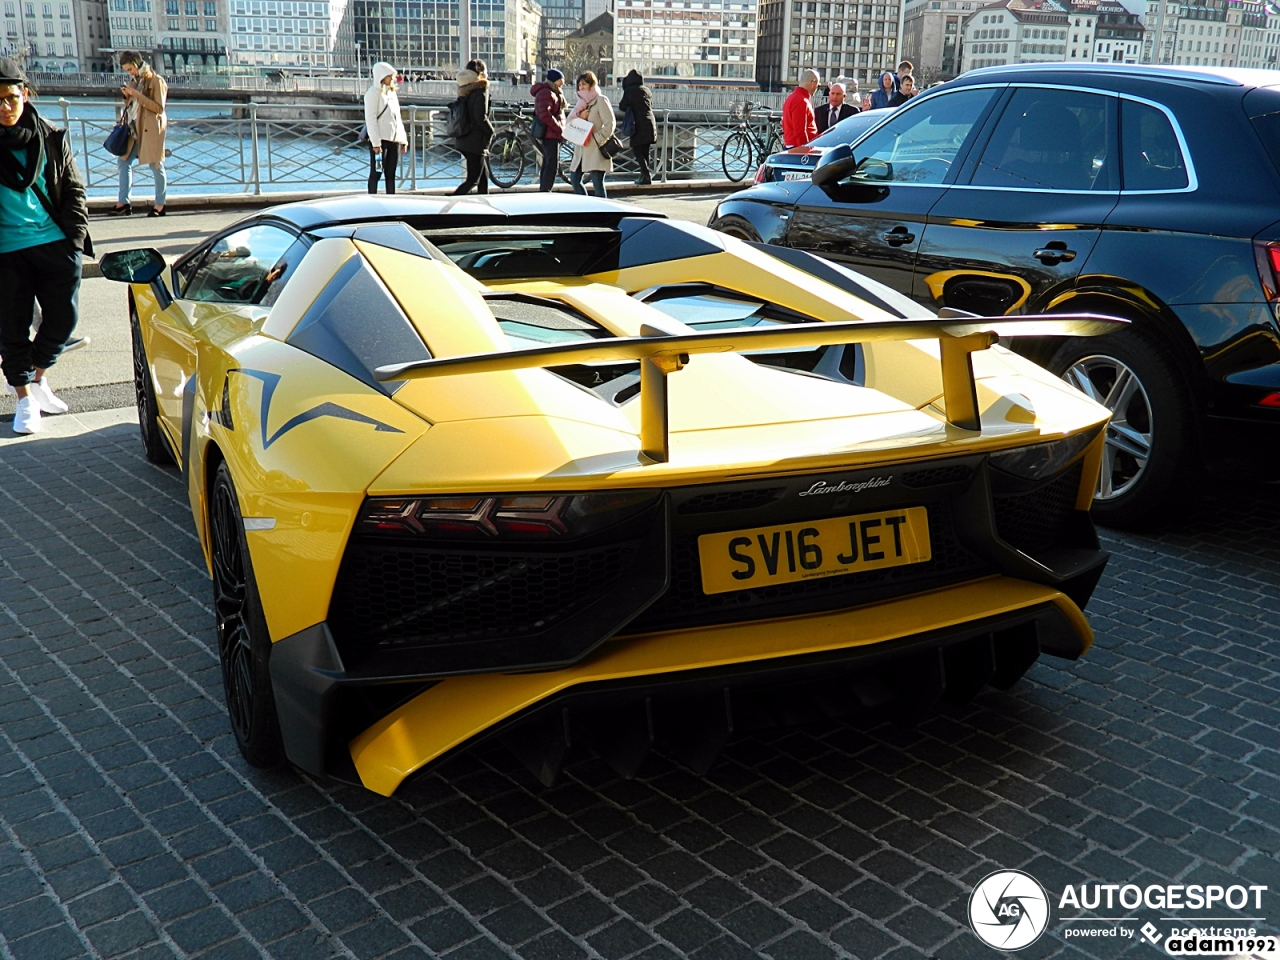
(836, 164)
(132, 266)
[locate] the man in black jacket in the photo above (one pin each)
(44, 229)
(835, 109)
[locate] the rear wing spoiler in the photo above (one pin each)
(662, 350)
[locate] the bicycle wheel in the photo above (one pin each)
(506, 160)
(735, 158)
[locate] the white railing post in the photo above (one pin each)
(413, 146)
(255, 174)
(667, 152)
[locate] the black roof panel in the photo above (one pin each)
(355, 208)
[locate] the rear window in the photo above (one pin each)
(1268, 128)
(849, 129)
(706, 308)
(524, 255)
(1152, 156)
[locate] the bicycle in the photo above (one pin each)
(746, 148)
(514, 148)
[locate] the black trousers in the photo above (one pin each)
(642, 158)
(390, 157)
(550, 164)
(477, 174)
(50, 274)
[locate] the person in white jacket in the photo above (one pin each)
(387, 139)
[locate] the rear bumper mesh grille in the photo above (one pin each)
(1041, 518)
(395, 596)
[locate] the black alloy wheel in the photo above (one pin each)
(1150, 445)
(244, 646)
(153, 447)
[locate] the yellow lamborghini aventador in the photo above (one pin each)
(562, 471)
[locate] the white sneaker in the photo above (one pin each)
(45, 398)
(26, 419)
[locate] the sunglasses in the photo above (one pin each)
(12, 100)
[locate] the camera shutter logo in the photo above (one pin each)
(1009, 910)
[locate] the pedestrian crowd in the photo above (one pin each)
(802, 122)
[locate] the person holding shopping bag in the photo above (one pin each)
(387, 139)
(145, 95)
(594, 108)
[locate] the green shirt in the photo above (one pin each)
(24, 222)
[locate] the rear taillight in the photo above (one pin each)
(1267, 257)
(510, 516)
(1271, 400)
(762, 174)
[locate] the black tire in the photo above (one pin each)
(735, 156)
(736, 227)
(244, 646)
(1155, 412)
(506, 159)
(153, 446)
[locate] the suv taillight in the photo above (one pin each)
(1267, 257)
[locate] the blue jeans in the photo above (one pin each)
(125, 165)
(597, 182)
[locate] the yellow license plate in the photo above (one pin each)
(744, 559)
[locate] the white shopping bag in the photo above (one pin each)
(578, 130)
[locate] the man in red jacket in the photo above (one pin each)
(798, 123)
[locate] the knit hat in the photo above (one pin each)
(553, 75)
(11, 71)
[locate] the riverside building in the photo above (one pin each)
(40, 33)
(858, 40)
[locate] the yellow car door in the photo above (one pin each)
(220, 288)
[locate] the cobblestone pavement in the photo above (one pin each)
(132, 828)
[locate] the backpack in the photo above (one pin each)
(459, 120)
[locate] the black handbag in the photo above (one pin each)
(117, 142)
(610, 148)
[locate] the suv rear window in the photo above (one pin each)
(1268, 128)
(1152, 157)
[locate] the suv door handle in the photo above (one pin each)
(899, 236)
(1054, 253)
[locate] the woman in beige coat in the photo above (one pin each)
(144, 102)
(593, 106)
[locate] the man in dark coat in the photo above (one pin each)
(549, 108)
(834, 110)
(637, 108)
(473, 90)
(44, 229)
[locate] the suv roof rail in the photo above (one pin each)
(1222, 76)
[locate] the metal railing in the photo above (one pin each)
(270, 148)
(434, 92)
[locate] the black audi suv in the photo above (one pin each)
(1151, 193)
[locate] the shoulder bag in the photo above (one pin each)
(117, 142)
